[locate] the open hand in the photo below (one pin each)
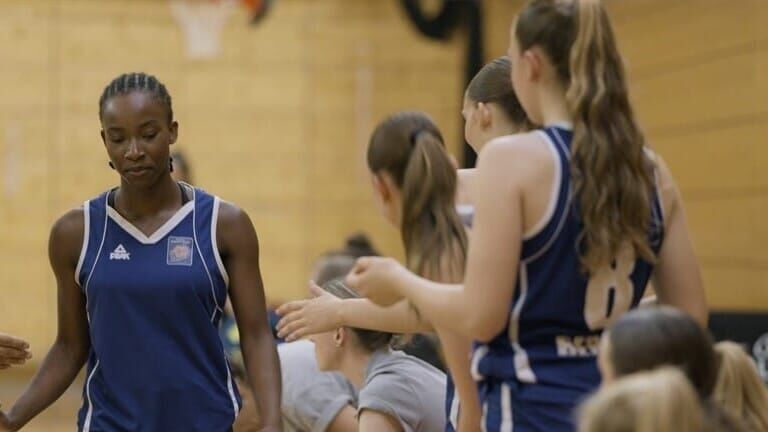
(13, 351)
(302, 318)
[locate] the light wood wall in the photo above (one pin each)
(278, 124)
(699, 80)
(698, 72)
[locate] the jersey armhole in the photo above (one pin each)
(554, 193)
(86, 236)
(214, 242)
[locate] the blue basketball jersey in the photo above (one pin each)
(156, 362)
(533, 374)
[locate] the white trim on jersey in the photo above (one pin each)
(161, 232)
(523, 369)
(563, 217)
(231, 388)
(95, 261)
(465, 209)
(89, 414)
(453, 414)
(205, 264)
(554, 194)
(214, 224)
(506, 409)
(86, 236)
(484, 418)
(478, 355)
(230, 385)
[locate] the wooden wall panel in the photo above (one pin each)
(699, 79)
(278, 123)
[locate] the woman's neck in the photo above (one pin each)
(554, 107)
(136, 202)
(354, 367)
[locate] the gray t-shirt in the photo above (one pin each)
(311, 398)
(405, 388)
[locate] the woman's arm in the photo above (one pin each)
(677, 276)
(494, 254)
(326, 312)
(70, 349)
(345, 421)
(457, 350)
(374, 421)
(240, 253)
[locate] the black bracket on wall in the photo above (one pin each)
(452, 15)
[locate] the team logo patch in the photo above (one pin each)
(180, 251)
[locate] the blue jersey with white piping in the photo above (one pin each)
(545, 358)
(154, 302)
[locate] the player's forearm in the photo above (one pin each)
(398, 318)
(457, 349)
(56, 373)
(481, 316)
(438, 303)
(263, 369)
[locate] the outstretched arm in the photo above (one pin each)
(492, 261)
(70, 349)
(13, 351)
(240, 252)
(326, 312)
(456, 350)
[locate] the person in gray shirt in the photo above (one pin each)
(396, 392)
(313, 401)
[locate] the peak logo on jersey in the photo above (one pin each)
(180, 251)
(120, 254)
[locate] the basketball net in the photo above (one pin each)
(202, 22)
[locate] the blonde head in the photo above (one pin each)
(739, 389)
(658, 401)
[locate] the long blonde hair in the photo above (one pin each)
(409, 147)
(612, 176)
(657, 401)
(739, 389)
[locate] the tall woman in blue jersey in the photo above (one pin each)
(571, 223)
(143, 271)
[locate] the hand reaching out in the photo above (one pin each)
(13, 351)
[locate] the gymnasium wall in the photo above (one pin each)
(278, 124)
(699, 79)
(698, 72)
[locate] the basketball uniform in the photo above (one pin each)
(533, 374)
(154, 303)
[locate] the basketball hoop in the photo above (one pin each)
(202, 22)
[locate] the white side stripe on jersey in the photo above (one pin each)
(523, 369)
(93, 267)
(86, 236)
(214, 225)
(506, 409)
(89, 414)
